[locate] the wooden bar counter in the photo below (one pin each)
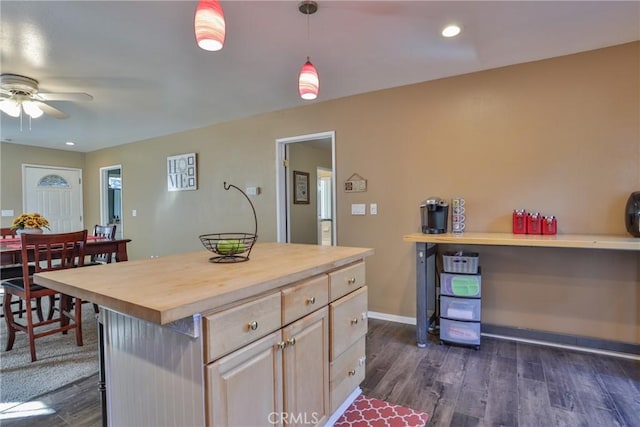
(263, 342)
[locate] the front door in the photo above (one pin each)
(56, 193)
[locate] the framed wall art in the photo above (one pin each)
(182, 173)
(300, 188)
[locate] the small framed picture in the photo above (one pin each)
(300, 188)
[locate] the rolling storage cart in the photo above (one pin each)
(460, 299)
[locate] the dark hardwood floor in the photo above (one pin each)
(504, 383)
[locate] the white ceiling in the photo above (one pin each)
(148, 78)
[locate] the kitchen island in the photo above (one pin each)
(278, 339)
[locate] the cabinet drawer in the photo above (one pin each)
(345, 280)
(304, 298)
(460, 332)
(348, 319)
(460, 308)
(347, 372)
(230, 329)
(461, 285)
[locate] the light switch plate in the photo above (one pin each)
(358, 209)
(7, 212)
(373, 209)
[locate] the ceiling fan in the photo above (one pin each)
(20, 94)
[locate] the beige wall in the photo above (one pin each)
(561, 136)
(12, 157)
(304, 218)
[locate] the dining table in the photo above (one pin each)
(11, 252)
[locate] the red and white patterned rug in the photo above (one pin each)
(369, 412)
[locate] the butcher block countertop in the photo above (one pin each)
(163, 290)
(587, 241)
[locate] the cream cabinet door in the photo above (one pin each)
(245, 387)
(306, 370)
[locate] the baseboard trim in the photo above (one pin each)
(392, 317)
(532, 336)
(573, 342)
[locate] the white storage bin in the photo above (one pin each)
(460, 332)
(460, 308)
(461, 285)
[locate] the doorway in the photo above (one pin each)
(111, 198)
(302, 222)
(56, 193)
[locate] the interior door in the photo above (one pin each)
(56, 193)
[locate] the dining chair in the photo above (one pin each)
(11, 268)
(7, 232)
(49, 252)
(107, 232)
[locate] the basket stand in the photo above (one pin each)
(231, 247)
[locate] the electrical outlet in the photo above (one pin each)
(134, 212)
(358, 209)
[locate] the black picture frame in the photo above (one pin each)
(300, 188)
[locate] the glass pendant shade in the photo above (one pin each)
(10, 107)
(308, 82)
(209, 25)
(32, 109)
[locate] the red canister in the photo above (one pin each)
(534, 223)
(519, 221)
(549, 225)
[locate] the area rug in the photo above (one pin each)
(60, 362)
(369, 412)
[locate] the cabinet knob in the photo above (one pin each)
(253, 325)
(281, 345)
(352, 372)
(354, 321)
(311, 300)
(291, 341)
(351, 280)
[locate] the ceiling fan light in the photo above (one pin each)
(308, 81)
(10, 107)
(32, 109)
(209, 25)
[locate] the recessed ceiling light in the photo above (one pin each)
(70, 143)
(451, 31)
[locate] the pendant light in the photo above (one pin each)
(209, 25)
(308, 81)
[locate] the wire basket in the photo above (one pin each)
(231, 247)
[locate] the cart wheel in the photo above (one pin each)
(441, 342)
(477, 347)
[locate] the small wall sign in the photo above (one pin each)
(182, 173)
(355, 184)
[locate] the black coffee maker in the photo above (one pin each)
(434, 213)
(632, 214)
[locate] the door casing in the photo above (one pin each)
(283, 194)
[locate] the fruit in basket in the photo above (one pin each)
(229, 247)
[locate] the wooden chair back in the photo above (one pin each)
(7, 232)
(107, 232)
(45, 252)
(57, 251)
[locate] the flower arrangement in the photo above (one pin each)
(30, 220)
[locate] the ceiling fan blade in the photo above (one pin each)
(52, 111)
(72, 96)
